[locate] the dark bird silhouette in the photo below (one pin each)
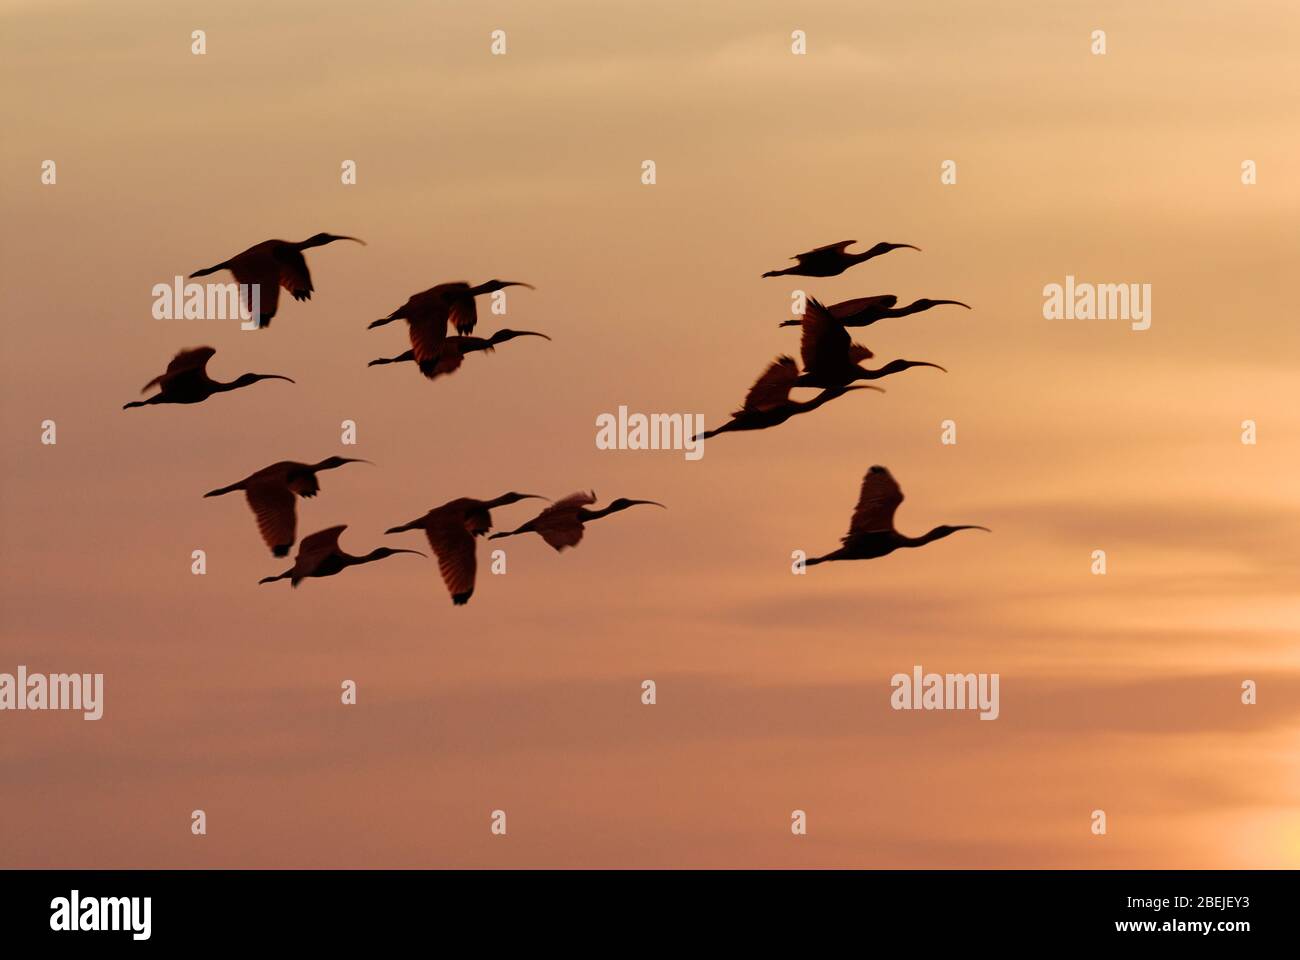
(428, 313)
(451, 529)
(871, 531)
(833, 259)
(186, 380)
(830, 358)
(865, 311)
(273, 264)
(319, 555)
(561, 524)
(452, 352)
(270, 493)
(768, 402)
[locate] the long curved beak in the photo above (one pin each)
(863, 386)
(923, 363)
(416, 552)
(353, 239)
(356, 460)
(654, 503)
(909, 246)
(517, 283)
(531, 333)
(275, 376)
(972, 526)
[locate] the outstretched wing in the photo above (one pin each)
(293, 275)
(272, 505)
(185, 365)
(559, 524)
(869, 305)
(464, 313)
(824, 344)
(877, 502)
(426, 313)
(263, 272)
(453, 545)
(816, 251)
(772, 388)
(447, 361)
(314, 549)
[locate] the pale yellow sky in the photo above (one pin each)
(1118, 692)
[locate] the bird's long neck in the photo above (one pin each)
(865, 374)
(826, 395)
(917, 306)
(245, 380)
(316, 241)
(938, 533)
(588, 515)
(893, 366)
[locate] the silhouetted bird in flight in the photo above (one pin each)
(453, 350)
(428, 313)
(270, 493)
(871, 531)
(187, 380)
(830, 358)
(865, 311)
(319, 556)
(451, 529)
(833, 259)
(768, 402)
(273, 264)
(561, 524)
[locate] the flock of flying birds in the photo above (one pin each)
(272, 492)
(831, 362)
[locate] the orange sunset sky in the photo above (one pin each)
(1118, 692)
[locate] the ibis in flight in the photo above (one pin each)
(319, 555)
(833, 259)
(451, 529)
(270, 493)
(452, 352)
(561, 524)
(830, 358)
(186, 380)
(871, 530)
(864, 311)
(768, 402)
(270, 265)
(428, 313)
